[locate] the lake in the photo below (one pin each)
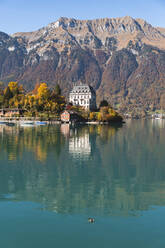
(53, 178)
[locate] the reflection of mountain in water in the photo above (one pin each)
(126, 172)
(65, 129)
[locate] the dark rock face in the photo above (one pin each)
(146, 85)
(122, 59)
(11, 56)
(118, 70)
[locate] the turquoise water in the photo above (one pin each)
(52, 178)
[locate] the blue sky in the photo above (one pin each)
(29, 15)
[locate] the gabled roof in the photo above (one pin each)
(82, 89)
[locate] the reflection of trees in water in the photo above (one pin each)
(125, 172)
(40, 140)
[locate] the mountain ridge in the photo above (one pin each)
(113, 26)
(122, 58)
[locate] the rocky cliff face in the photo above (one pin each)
(122, 58)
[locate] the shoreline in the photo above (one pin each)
(20, 120)
(17, 120)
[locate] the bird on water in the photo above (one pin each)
(91, 220)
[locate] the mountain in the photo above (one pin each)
(122, 58)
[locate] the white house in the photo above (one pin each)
(83, 95)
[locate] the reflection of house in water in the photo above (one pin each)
(80, 146)
(160, 123)
(65, 129)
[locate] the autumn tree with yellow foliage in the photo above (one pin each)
(40, 100)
